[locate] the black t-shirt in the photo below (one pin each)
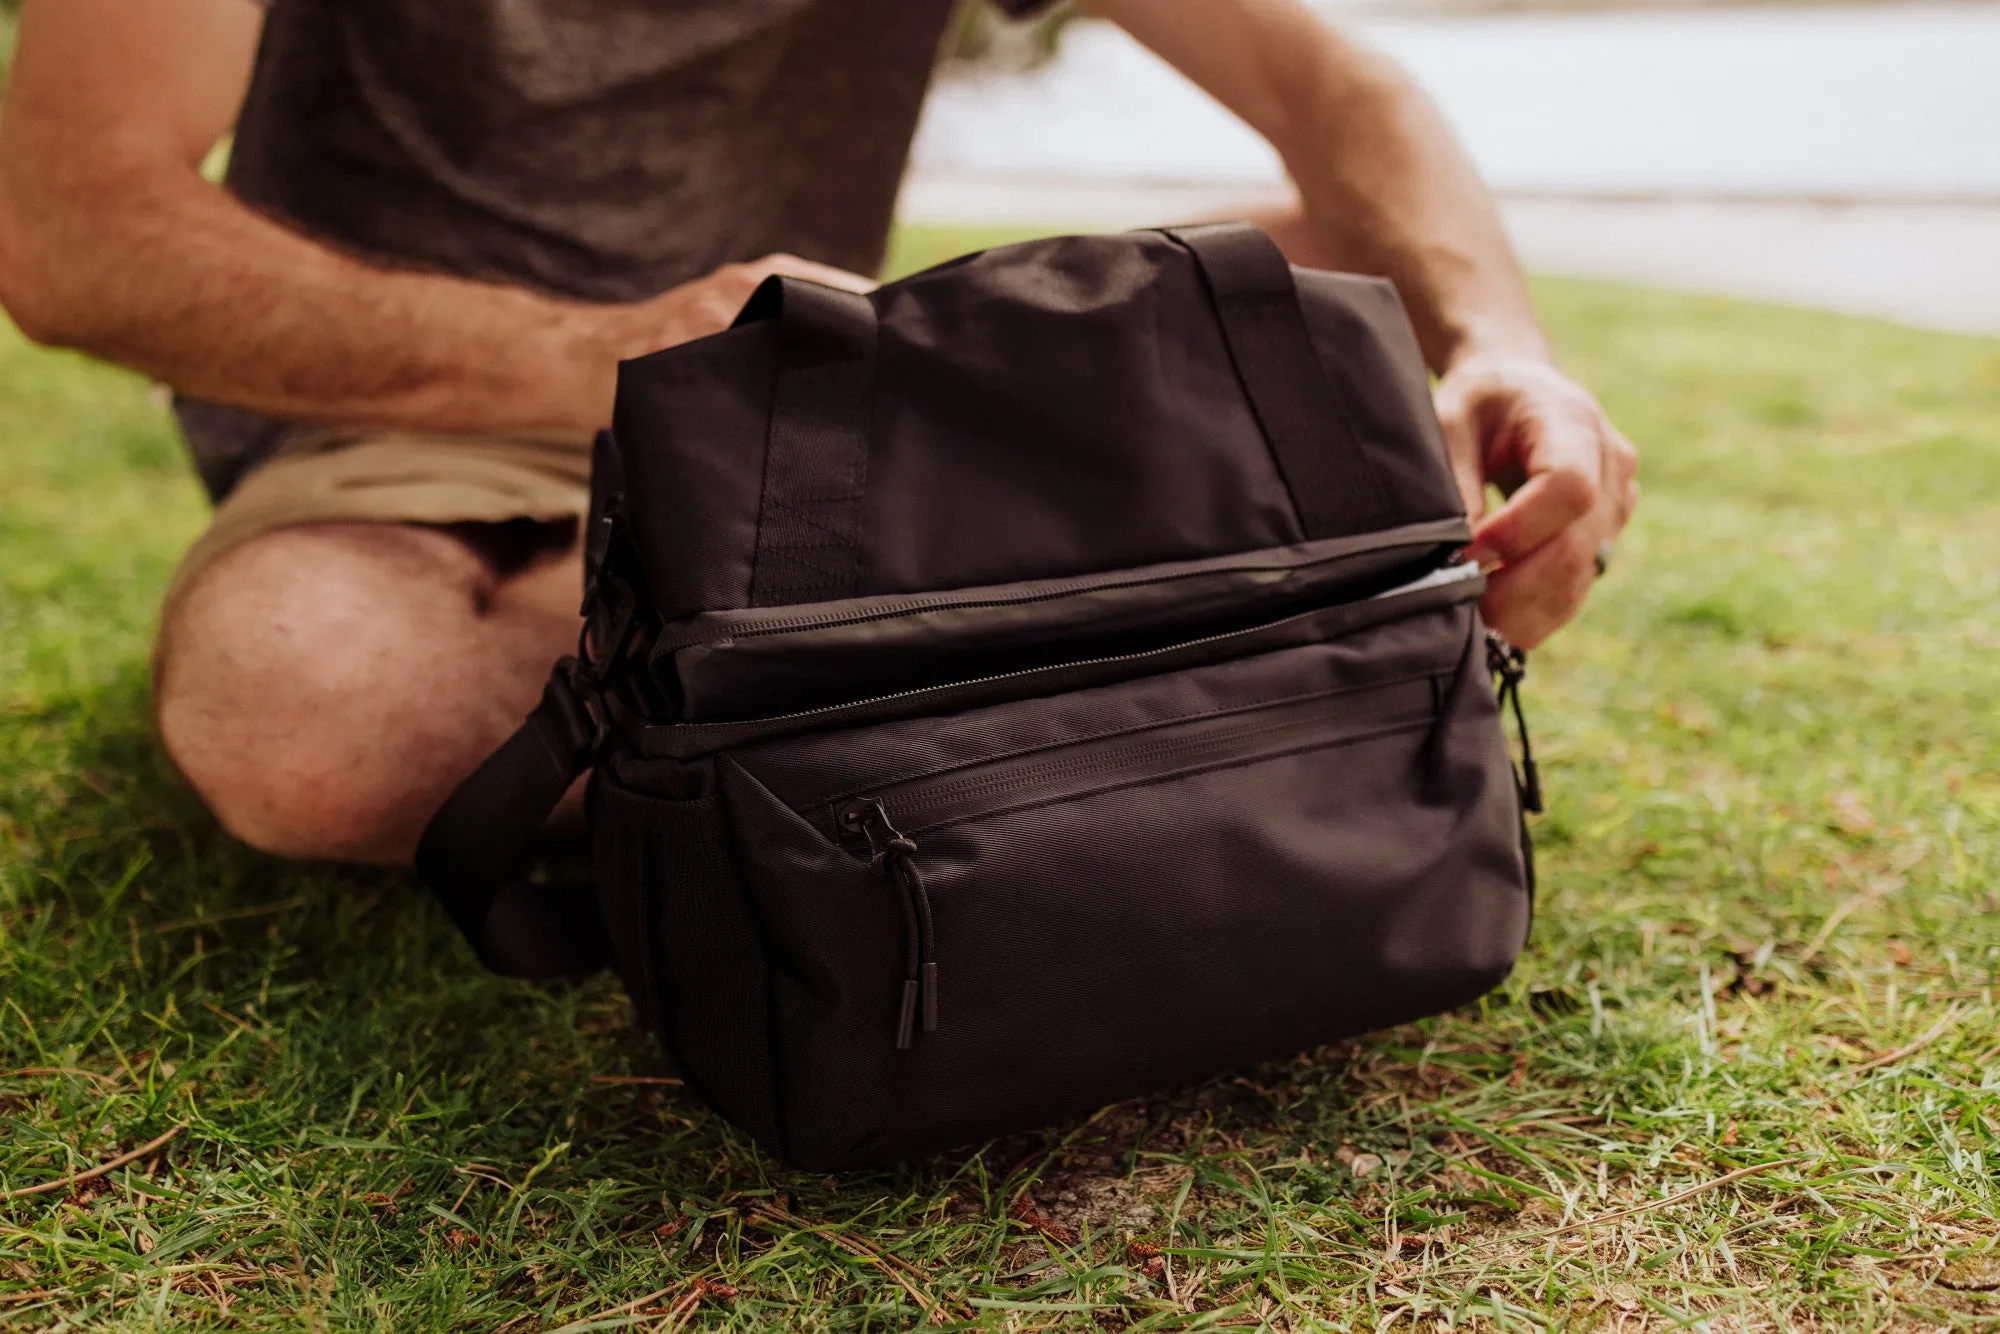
(600, 149)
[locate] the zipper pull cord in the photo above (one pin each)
(896, 855)
(1510, 664)
(906, 1016)
(901, 858)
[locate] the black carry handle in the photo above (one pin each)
(474, 854)
(1334, 487)
(816, 456)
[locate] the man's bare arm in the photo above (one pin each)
(112, 243)
(1385, 189)
(1385, 186)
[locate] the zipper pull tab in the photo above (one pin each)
(894, 853)
(1510, 664)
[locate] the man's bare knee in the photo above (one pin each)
(320, 687)
(250, 696)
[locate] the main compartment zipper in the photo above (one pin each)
(1449, 585)
(1436, 539)
(895, 856)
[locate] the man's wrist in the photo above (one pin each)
(1498, 343)
(583, 353)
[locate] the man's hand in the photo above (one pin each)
(705, 305)
(113, 243)
(1384, 188)
(1570, 479)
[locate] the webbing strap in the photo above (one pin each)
(474, 854)
(816, 455)
(1304, 417)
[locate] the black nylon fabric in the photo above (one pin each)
(1154, 931)
(1301, 409)
(1039, 683)
(699, 937)
(1041, 410)
(816, 455)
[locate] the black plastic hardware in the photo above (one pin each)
(575, 697)
(895, 855)
(1510, 664)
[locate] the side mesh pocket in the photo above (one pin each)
(688, 947)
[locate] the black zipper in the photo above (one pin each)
(1442, 587)
(1435, 542)
(1100, 764)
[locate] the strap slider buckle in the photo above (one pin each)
(574, 698)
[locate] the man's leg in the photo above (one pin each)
(324, 687)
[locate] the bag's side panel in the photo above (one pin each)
(1465, 798)
(691, 423)
(710, 979)
(623, 850)
(1365, 342)
(835, 932)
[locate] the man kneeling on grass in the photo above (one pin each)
(395, 328)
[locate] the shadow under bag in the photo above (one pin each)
(1040, 682)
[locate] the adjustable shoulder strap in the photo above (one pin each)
(1332, 481)
(474, 855)
(816, 456)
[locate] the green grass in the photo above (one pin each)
(1768, 939)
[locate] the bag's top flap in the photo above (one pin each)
(1040, 410)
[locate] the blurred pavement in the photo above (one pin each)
(1846, 158)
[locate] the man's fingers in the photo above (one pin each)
(791, 266)
(1573, 478)
(711, 303)
(1621, 467)
(1529, 601)
(1547, 504)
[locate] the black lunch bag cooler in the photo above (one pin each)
(1040, 682)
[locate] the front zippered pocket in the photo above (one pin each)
(1002, 915)
(887, 821)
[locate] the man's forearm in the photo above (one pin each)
(167, 274)
(1386, 189)
(1384, 186)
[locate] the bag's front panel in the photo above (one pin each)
(1055, 408)
(1133, 911)
(1365, 342)
(833, 932)
(1059, 408)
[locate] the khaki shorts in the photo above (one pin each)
(399, 477)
